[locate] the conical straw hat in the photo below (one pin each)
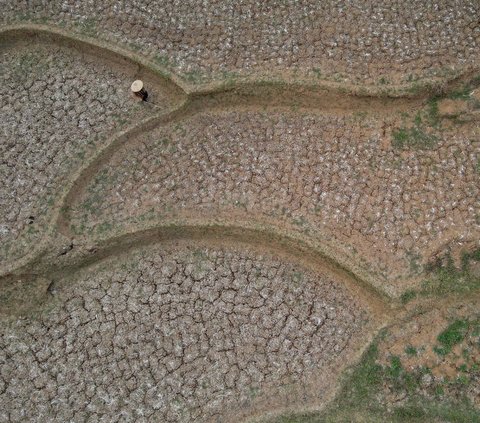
(137, 86)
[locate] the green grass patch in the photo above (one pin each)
(447, 279)
(383, 81)
(358, 399)
(104, 227)
(429, 411)
(460, 94)
(451, 336)
(300, 221)
(408, 296)
(417, 134)
(432, 114)
(395, 369)
(411, 351)
(414, 137)
(463, 93)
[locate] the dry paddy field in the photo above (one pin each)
(286, 231)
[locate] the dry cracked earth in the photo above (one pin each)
(288, 230)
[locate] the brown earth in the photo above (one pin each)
(224, 251)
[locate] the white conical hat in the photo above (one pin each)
(137, 86)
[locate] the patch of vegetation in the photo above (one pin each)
(395, 369)
(449, 411)
(414, 137)
(460, 94)
(121, 120)
(359, 115)
(446, 278)
(383, 81)
(419, 133)
(164, 142)
(23, 16)
(194, 76)
(31, 230)
(463, 93)
(50, 201)
(408, 296)
(135, 46)
(164, 60)
(338, 77)
(416, 88)
(358, 399)
(253, 392)
(300, 221)
(414, 259)
(475, 104)
(359, 387)
(104, 227)
(229, 78)
(147, 216)
(432, 114)
(27, 64)
(409, 350)
(451, 336)
(468, 256)
(317, 72)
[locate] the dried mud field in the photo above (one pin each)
(287, 231)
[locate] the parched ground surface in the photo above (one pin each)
(179, 334)
(59, 105)
(366, 42)
(188, 268)
(339, 178)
